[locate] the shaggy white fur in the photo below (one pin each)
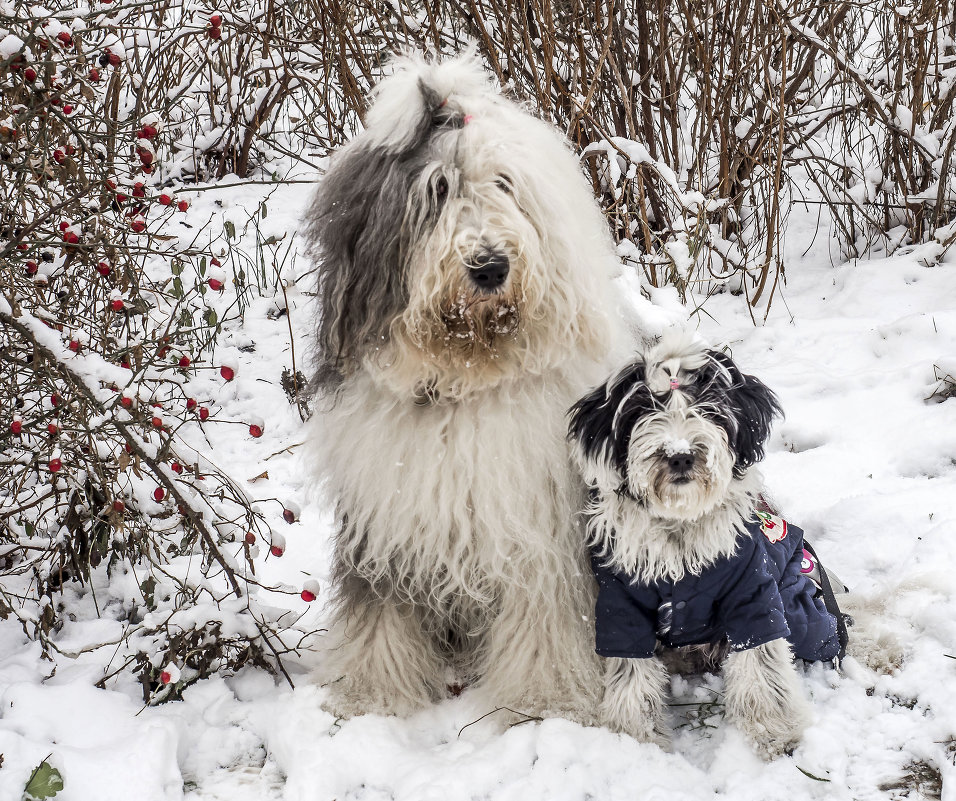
(441, 432)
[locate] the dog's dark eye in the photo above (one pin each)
(504, 184)
(441, 188)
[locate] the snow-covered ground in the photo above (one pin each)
(863, 461)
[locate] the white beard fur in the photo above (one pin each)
(650, 548)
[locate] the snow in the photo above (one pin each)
(864, 462)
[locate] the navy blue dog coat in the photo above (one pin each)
(759, 593)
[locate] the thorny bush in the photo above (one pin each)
(111, 301)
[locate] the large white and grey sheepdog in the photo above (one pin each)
(464, 282)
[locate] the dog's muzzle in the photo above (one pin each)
(489, 270)
(680, 465)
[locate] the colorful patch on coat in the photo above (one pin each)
(773, 527)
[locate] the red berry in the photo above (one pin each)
(139, 189)
(138, 224)
(159, 493)
(70, 237)
(74, 345)
(182, 205)
(216, 285)
(308, 596)
(165, 199)
(55, 465)
(58, 156)
(215, 262)
(54, 399)
(113, 58)
(184, 361)
(119, 506)
(176, 467)
(126, 402)
(117, 305)
(165, 677)
(103, 268)
(250, 538)
(53, 429)
(65, 38)
(215, 20)
(191, 404)
(32, 267)
(68, 109)
(275, 550)
(255, 430)
(147, 132)
(16, 427)
(227, 372)
(289, 516)
(157, 421)
(30, 74)
(203, 413)
(213, 32)
(94, 74)
(145, 156)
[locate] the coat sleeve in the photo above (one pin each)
(751, 609)
(813, 630)
(625, 616)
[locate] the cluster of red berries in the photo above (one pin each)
(214, 30)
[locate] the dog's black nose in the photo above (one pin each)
(680, 463)
(489, 270)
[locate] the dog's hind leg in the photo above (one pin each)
(764, 697)
(380, 659)
(634, 696)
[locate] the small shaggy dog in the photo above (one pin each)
(683, 559)
(464, 281)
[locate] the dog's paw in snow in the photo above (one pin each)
(764, 698)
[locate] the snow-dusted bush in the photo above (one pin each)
(702, 122)
(111, 299)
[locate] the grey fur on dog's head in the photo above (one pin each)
(360, 227)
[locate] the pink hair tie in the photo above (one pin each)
(468, 118)
(675, 384)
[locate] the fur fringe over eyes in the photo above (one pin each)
(682, 372)
(360, 228)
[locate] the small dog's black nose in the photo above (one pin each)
(680, 463)
(489, 270)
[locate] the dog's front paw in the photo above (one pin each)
(765, 699)
(634, 693)
(351, 696)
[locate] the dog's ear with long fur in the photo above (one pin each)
(356, 233)
(601, 424)
(752, 408)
